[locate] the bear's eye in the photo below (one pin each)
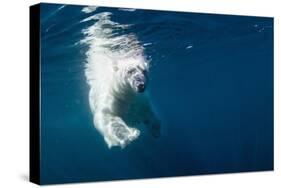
(131, 71)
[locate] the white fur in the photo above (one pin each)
(113, 103)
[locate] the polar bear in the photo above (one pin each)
(117, 73)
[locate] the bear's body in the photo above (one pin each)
(117, 79)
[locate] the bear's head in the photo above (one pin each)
(134, 74)
(137, 78)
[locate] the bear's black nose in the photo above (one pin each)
(141, 87)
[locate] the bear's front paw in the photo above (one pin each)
(122, 135)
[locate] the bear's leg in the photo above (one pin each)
(147, 116)
(114, 130)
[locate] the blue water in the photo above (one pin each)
(211, 83)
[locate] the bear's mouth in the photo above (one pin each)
(138, 83)
(140, 87)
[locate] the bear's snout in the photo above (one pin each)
(141, 87)
(140, 83)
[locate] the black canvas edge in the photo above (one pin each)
(34, 95)
(273, 167)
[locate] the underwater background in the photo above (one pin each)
(211, 83)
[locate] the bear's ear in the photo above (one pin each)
(115, 68)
